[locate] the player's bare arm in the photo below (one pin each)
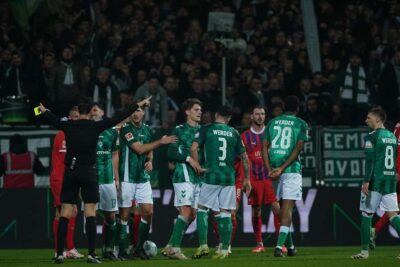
(148, 166)
(265, 155)
(194, 157)
(275, 173)
(246, 169)
(145, 148)
(115, 164)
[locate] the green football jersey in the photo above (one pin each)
(220, 144)
(381, 155)
(131, 167)
(179, 151)
(107, 143)
(282, 134)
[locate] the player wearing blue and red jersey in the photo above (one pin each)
(263, 191)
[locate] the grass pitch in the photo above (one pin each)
(241, 257)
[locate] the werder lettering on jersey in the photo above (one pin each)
(389, 141)
(284, 122)
(222, 133)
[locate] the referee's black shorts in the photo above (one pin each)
(81, 177)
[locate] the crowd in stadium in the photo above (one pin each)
(116, 51)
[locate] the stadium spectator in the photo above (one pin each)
(354, 92)
(389, 87)
(19, 165)
(137, 39)
(67, 85)
(102, 90)
(157, 113)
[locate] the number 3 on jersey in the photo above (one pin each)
(284, 135)
(222, 148)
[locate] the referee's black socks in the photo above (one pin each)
(91, 233)
(61, 235)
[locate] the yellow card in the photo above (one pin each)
(37, 111)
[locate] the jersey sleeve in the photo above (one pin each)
(303, 131)
(174, 153)
(115, 143)
(128, 135)
(369, 146)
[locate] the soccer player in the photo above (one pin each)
(263, 191)
(135, 165)
(238, 196)
(107, 161)
(384, 220)
(184, 179)
(80, 173)
(220, 144)
(379, 186)
(283, 141)
(56, 177)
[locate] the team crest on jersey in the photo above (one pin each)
(196, 135)
(129, 136)
(100, 144)
(368, 144)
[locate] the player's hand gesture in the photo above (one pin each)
(196, 166)
(145, 102)
(41, 107)
(148, 166)
(168, 139)
(276, 173)
(247, 187)
(364, 188)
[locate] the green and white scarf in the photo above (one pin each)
(355, 90)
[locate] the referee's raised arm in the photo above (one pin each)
(53, 119)
(107, 123)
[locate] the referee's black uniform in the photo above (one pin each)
(80, 169)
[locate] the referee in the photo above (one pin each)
(80, 170)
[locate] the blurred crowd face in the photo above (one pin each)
(102, 76)
(277, 111)
(305, 86)
(141, 76)
(197, 86)
(73, 114)
(126, 99)
(118, 63)
(16, 60)
(5, 55)
(256, 85)
(48, 61)
(153, 85)
(274, 84)
(96, 113)
(312, 105)
(67, 54)
(355, 61)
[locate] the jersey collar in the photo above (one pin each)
(255, 132)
